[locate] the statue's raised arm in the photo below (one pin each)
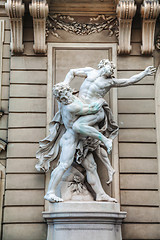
(80, 72)
(134, 79)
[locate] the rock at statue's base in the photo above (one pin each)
(84, 221)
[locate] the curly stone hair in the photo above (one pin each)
(63, 93)
(104, 62)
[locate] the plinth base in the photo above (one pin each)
(84, 221)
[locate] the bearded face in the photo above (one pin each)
(63, 93)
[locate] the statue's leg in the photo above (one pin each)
(102, 154)
(93, 179)
(68, 148)
(84, 126)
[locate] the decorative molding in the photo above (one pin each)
(15, 10)
(3, 144)
(39, 11)
(68, 24)
(1, 56)
(149, 12)
(125, 13)
(158, 42)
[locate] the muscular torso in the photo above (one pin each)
(94, 87)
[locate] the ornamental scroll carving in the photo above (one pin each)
(125, 13)
(68, 24)
(39, 11)
(149, 12)
(15, 10)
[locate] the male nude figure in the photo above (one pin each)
(71, 107)
(97, 83)
(95, 86)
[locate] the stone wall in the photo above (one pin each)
(24, 84)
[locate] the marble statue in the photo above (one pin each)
(83, 127)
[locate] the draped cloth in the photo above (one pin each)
(49, 147)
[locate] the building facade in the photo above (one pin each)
(39, 42)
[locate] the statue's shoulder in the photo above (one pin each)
(89, 69)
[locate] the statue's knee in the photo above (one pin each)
(64, 166)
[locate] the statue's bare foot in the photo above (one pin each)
(105, 197)
(108, 144)
(51, 197)
(110, 175)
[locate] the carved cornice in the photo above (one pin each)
(39, 11)
(15, 11)
(149, 12)
(126, 10)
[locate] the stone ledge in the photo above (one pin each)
(84, 220)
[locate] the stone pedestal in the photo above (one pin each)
(84, 221)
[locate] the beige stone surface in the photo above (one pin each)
(5, 92)
(7, 36)
(134, 62)
(141, 214)
(23, 214)
(137, 91)
(36, 77)
(3, 122)
(6, 51)
(3, 134)
(139, 181)
(5, 106)
(28, 48)
(22, 149)
(24, 231)
(28, 63)
(21, 165)
(31, 105)
(27, 91)
(25, 181)
(83, 8)
(24, 197)
(135, 49)
(26, 135)
(141, 231)
(6, 65)
(139, 198)
(136, 35)
(137, 150)
(138, 165)
(5, 78)
(136, 121)
(137, 135)
(136, 106)
(27, 120)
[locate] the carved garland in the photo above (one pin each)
(68, 24)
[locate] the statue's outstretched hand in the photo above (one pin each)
(150, 71)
